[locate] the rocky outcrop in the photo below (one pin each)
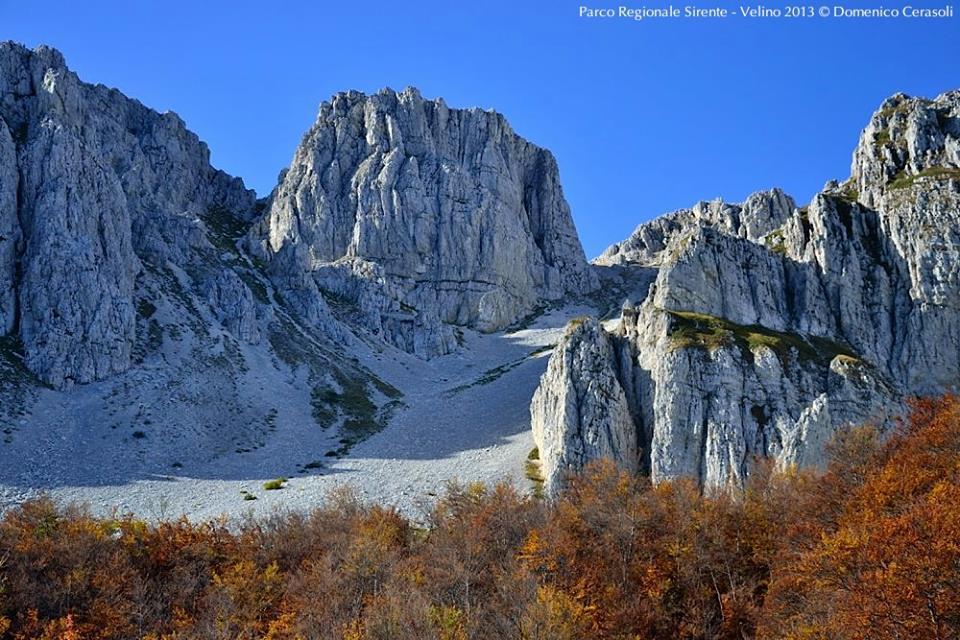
(760, 214)
(234, 305)
(768, 327)
(420, 217)
(82, 168)
(580, 412)
(907, 168)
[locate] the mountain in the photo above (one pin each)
(422, 218)
(385, 315)
(160, 327)
(767, 326)
(91, 185)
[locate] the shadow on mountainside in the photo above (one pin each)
(478, 400)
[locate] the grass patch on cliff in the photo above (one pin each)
(223, 228)
(904, 181)
(351, 399)
(575, 324)
(903, 107)
(776, 242)
(532, 472)
(848, 191)
(691, 330)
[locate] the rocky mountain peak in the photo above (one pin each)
(766, 326)
(421, 217)
(91, 183)
(907, 139)
(761, 213)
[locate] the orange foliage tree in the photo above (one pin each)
(890, 565)
(869, 547)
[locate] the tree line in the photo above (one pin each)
(867, 547)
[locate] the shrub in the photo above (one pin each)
(867, 548)
(273, 485)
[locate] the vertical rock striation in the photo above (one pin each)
(90, 181)
(421, 217)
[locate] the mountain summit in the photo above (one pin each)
(423, 217)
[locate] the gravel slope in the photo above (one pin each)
(466, 417)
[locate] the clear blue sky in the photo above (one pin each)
(644, 117)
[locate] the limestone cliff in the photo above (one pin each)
(770, 326)
(127, 299)
(420, 217)
(90, 183)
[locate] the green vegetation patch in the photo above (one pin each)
(901, 107)
(575, 324)
(848, 192)
(223, 228)
(353, 402)
(700, 331)
(904, 181)
(275, 484)
(776, 242)
(532, 471)
(353, 395)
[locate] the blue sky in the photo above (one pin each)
(644, 117)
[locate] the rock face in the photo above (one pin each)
(768, 327)
(122, 267)
(580, 412)
(90, 182)
(420, 217)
